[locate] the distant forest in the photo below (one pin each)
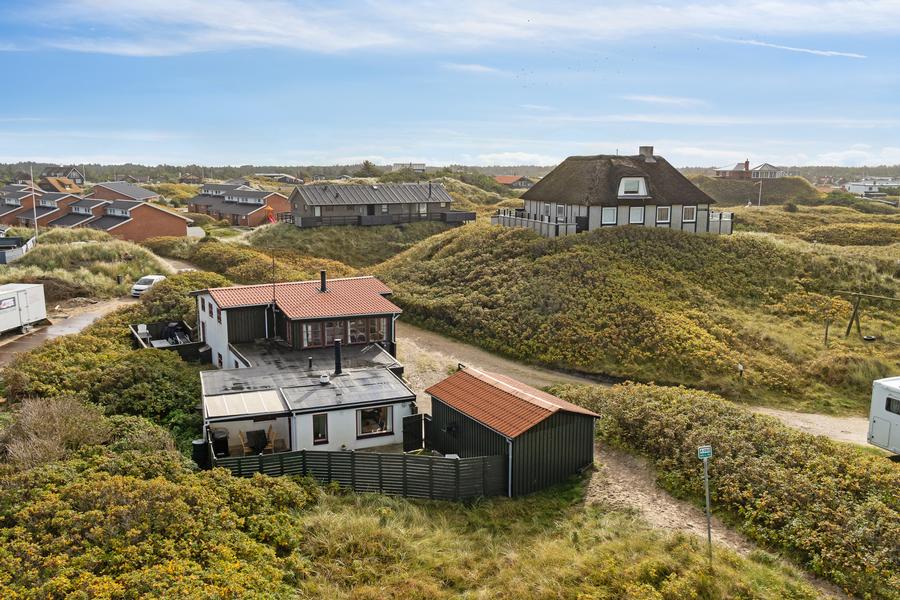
(171, 173)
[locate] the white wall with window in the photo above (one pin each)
(635, 215)
(663, 215)
(351, 428)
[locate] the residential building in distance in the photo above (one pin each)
(309, 364)
(50, 206)
(380, 204)
(15, 199)
(514, 181)
(238, 204)
(136, 220)
(80, 212)
(414, 167)
(743, 171)
(280, 178)
(872, 187)
(63, 185)
(585, 193)
(122, 190)
(190, 178)
(71, 172)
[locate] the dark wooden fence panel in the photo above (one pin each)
(434, 477)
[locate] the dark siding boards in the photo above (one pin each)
(245, 324)
(548, 453)
(551, 451)
(471, 438)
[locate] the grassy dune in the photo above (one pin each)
(730, 192)
(658, 305)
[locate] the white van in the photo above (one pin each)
(145, 283)
(884, 414)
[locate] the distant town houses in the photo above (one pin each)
(16, 199)
(514, 181)
(239, 204)
(72, 173)
(189, 178)
(379, 204)
(50, 206)
(280, 178)
(585, 193)
(743, 171)
(873, 187)
(414, 167)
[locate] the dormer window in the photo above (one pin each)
(13, 202)
(81, 210)
(632, 186)
(48, 203)
(117, 212)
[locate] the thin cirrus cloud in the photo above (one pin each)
(814, 51)
(666, 100)
(471, 68)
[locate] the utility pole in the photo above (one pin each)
(704, 453)
(34, 205)
(759, 199)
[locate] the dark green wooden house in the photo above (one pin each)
(545, 439)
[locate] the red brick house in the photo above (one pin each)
(80, 212)
(122, 190)
(14, 201)
(238, 204)
(50, 206)
(136, 221)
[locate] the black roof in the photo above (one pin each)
(70, 220)
(128, 189)
(381, 193)
(89, 202)
(594, 180)
(107, 222)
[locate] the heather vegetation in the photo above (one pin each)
(731, 192)
(174, 194)
(81, 262)
(832, 507)
(657, 305)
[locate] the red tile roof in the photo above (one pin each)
(507, 406)
(507, 179)
(347, 297)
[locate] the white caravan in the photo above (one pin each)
(884, 414)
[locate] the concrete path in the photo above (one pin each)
(10, 345)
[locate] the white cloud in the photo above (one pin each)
(166, 27)
(790, 48)
(536, 106)
(470, 68)
(669, 100)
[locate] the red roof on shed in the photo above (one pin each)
(507, 179)
(507, 406)
(347, 297)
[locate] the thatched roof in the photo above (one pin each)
(594, 180)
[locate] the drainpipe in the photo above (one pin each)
(509, 469)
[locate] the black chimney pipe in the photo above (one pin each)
(310, 363)
(322, 286)
(337, 357)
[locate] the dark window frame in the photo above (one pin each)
(390, 422)
(319, 442)
(892, 405)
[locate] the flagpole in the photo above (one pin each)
(34, 205)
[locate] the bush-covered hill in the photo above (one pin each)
(779, 219)
(657, 305)
(81, 262)
(831, 506)
(736, 192)
(354, 246)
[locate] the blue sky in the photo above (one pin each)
(304, 82)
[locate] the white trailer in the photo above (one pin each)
(884, 414)
(21, 305)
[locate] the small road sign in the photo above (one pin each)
(704, 452)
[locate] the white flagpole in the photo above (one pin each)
(34, 205)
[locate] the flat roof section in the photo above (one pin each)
(350, 388)
(250, 403)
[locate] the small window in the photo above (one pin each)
(443, 205)
(320, 428)
(423, 208)
(377, 328)
(384, 209)
(209, 308)
(690, 214)
(636, 215)
(663, 214)
(545, 209)
(312, 335)
(202, 304)
(374, 421)
(317, 211)
(632, 186)
(219, 315)
(892, 405)
(608, 215)
(560, 212)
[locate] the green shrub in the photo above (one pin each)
(790, 207)
(854, 234)
(832, 506)
(170, 300)
(179, 247)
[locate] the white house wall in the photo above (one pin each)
(280, 425)
(216, 333)
(342, 430)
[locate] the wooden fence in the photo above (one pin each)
(434, 477)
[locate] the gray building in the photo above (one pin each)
(585, 193)
(378, 204)
(544, 439)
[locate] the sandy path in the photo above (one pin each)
(854, 430)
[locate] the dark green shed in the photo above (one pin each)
(544, 438)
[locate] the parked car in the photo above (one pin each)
(145, 283)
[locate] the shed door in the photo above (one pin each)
(412, 433)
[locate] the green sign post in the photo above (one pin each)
(704, 453)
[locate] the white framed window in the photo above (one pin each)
(423, 208)
(663, 214)
(609, 215)
(689, 214)
(384, 209)
(443, 205)
(545, 210)
(636, 215)
(632, 186)
(374, 421)
(317, 211)
(320, 428)
(561, 212)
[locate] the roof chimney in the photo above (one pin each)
(429, 189)
(322, 286)
(747, 165)
(647, 153)
(337, 357)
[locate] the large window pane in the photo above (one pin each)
(320, 428)
(312, 335)
(334, 330)
(358, 332)
(373, 421)
(636, 215)
(608, 215)
(377, 329)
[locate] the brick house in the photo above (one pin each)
(50, 206)
(122, 190)
(14, 200)
(80, 212)
(71, 172)
(135, 221)
(238, 204)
